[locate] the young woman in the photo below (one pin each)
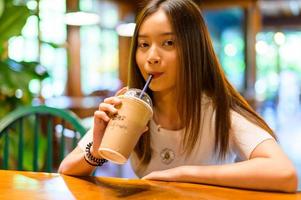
(202, 130)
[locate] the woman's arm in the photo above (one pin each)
(267, 169)
(75, 164)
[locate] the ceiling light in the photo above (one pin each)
(126, 30)
(81, 18)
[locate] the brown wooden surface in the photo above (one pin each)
(73, 87)
(37, 185)
(124, 57)
(252, 25)
(222, 4)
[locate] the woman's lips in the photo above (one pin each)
(156, 75)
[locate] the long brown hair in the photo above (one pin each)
(200, 73)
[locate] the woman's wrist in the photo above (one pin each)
(94, 152)
(91, 159)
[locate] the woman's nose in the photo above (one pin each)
(153, 61)
(153, 57)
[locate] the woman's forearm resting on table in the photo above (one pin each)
(254, 174)
(262, 173)
(75, 164)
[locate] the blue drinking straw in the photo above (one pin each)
(146, 85)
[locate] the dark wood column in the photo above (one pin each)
(124, 57)
(124, 43)
(73, 87)
(251, 27)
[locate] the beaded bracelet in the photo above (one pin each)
(90, 159)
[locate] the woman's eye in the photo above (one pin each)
(169, 43)
(143, 45)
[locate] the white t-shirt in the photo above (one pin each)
(168, 152)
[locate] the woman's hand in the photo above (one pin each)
(101, 118)
(173, 174)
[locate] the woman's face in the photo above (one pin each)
(157, 52)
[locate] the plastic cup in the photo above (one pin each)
(125, 128)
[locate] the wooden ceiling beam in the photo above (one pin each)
(207, 4)
(221, 4)
(281, 22)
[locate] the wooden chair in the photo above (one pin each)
(36, 138)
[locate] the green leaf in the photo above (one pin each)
(12, 21)
(1, 7)
(17, 75)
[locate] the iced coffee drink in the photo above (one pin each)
(125, 128)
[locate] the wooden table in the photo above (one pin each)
(33, 185)
(82, 106)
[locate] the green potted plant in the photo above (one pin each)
(16, 76)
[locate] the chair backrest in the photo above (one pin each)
(36, 138)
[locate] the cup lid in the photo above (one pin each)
(134, 92)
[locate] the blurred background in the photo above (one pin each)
(71, 54)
